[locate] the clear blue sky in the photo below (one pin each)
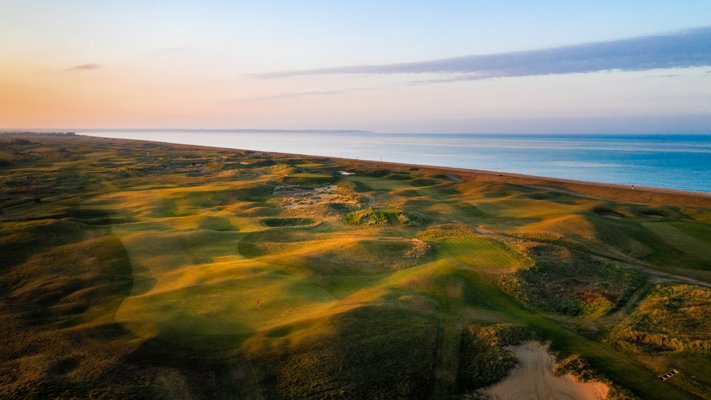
(299, 64)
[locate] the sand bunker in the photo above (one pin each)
(533, 379)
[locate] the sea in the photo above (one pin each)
(671, 161)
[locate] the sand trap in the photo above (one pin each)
(534, 379)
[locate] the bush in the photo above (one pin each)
(418, 249)
(571, 283)
(484, 360)
(382, 216)
(672, 318)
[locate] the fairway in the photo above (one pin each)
(482, 253)
(693, 239)
(218, 301)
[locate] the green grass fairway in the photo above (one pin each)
(147, 270)
(482, 253)
(693, 239)
(222, 300)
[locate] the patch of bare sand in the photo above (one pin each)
(533, 379)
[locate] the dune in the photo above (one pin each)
(533, 379)
(563, 226)
(134, 269)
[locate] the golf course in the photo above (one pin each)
(136, 269)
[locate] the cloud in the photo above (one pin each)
(663, 76)
(292, 95)
(689, 48)
(84, 67)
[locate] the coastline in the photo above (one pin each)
(612, 191)
(204, 236)
(601, 190)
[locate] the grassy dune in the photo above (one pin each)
(146, 270)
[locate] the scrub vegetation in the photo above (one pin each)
(146, 270)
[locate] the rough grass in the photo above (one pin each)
(672, 318)
(358, 257)
(350, 355)
(52, 301)
(274, 222)
(569, 227)
(571, 283)
(382, 216)
(446, 231)
(143, 270)
(484, 360)
(306, 178)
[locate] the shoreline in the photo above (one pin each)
(612, 191)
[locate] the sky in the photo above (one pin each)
(386, 66)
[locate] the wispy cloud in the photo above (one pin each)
(663, 76)
(83, 67)
(690, 48)
(284, 96)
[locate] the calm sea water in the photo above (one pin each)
(667, 161)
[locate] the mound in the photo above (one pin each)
(271, 241)
(671, 318)
(607, 212)
(370, 352)
(423, 182)
(382, 216)
(20, 240)
(221, 299)
(562, 227)
(255, 210)
(347, 256)
(399, 176)
(309, 179)
(483, 359)
(77, 284)
(274, 222)
(214, 223)
(570, 282)
(446, 231)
